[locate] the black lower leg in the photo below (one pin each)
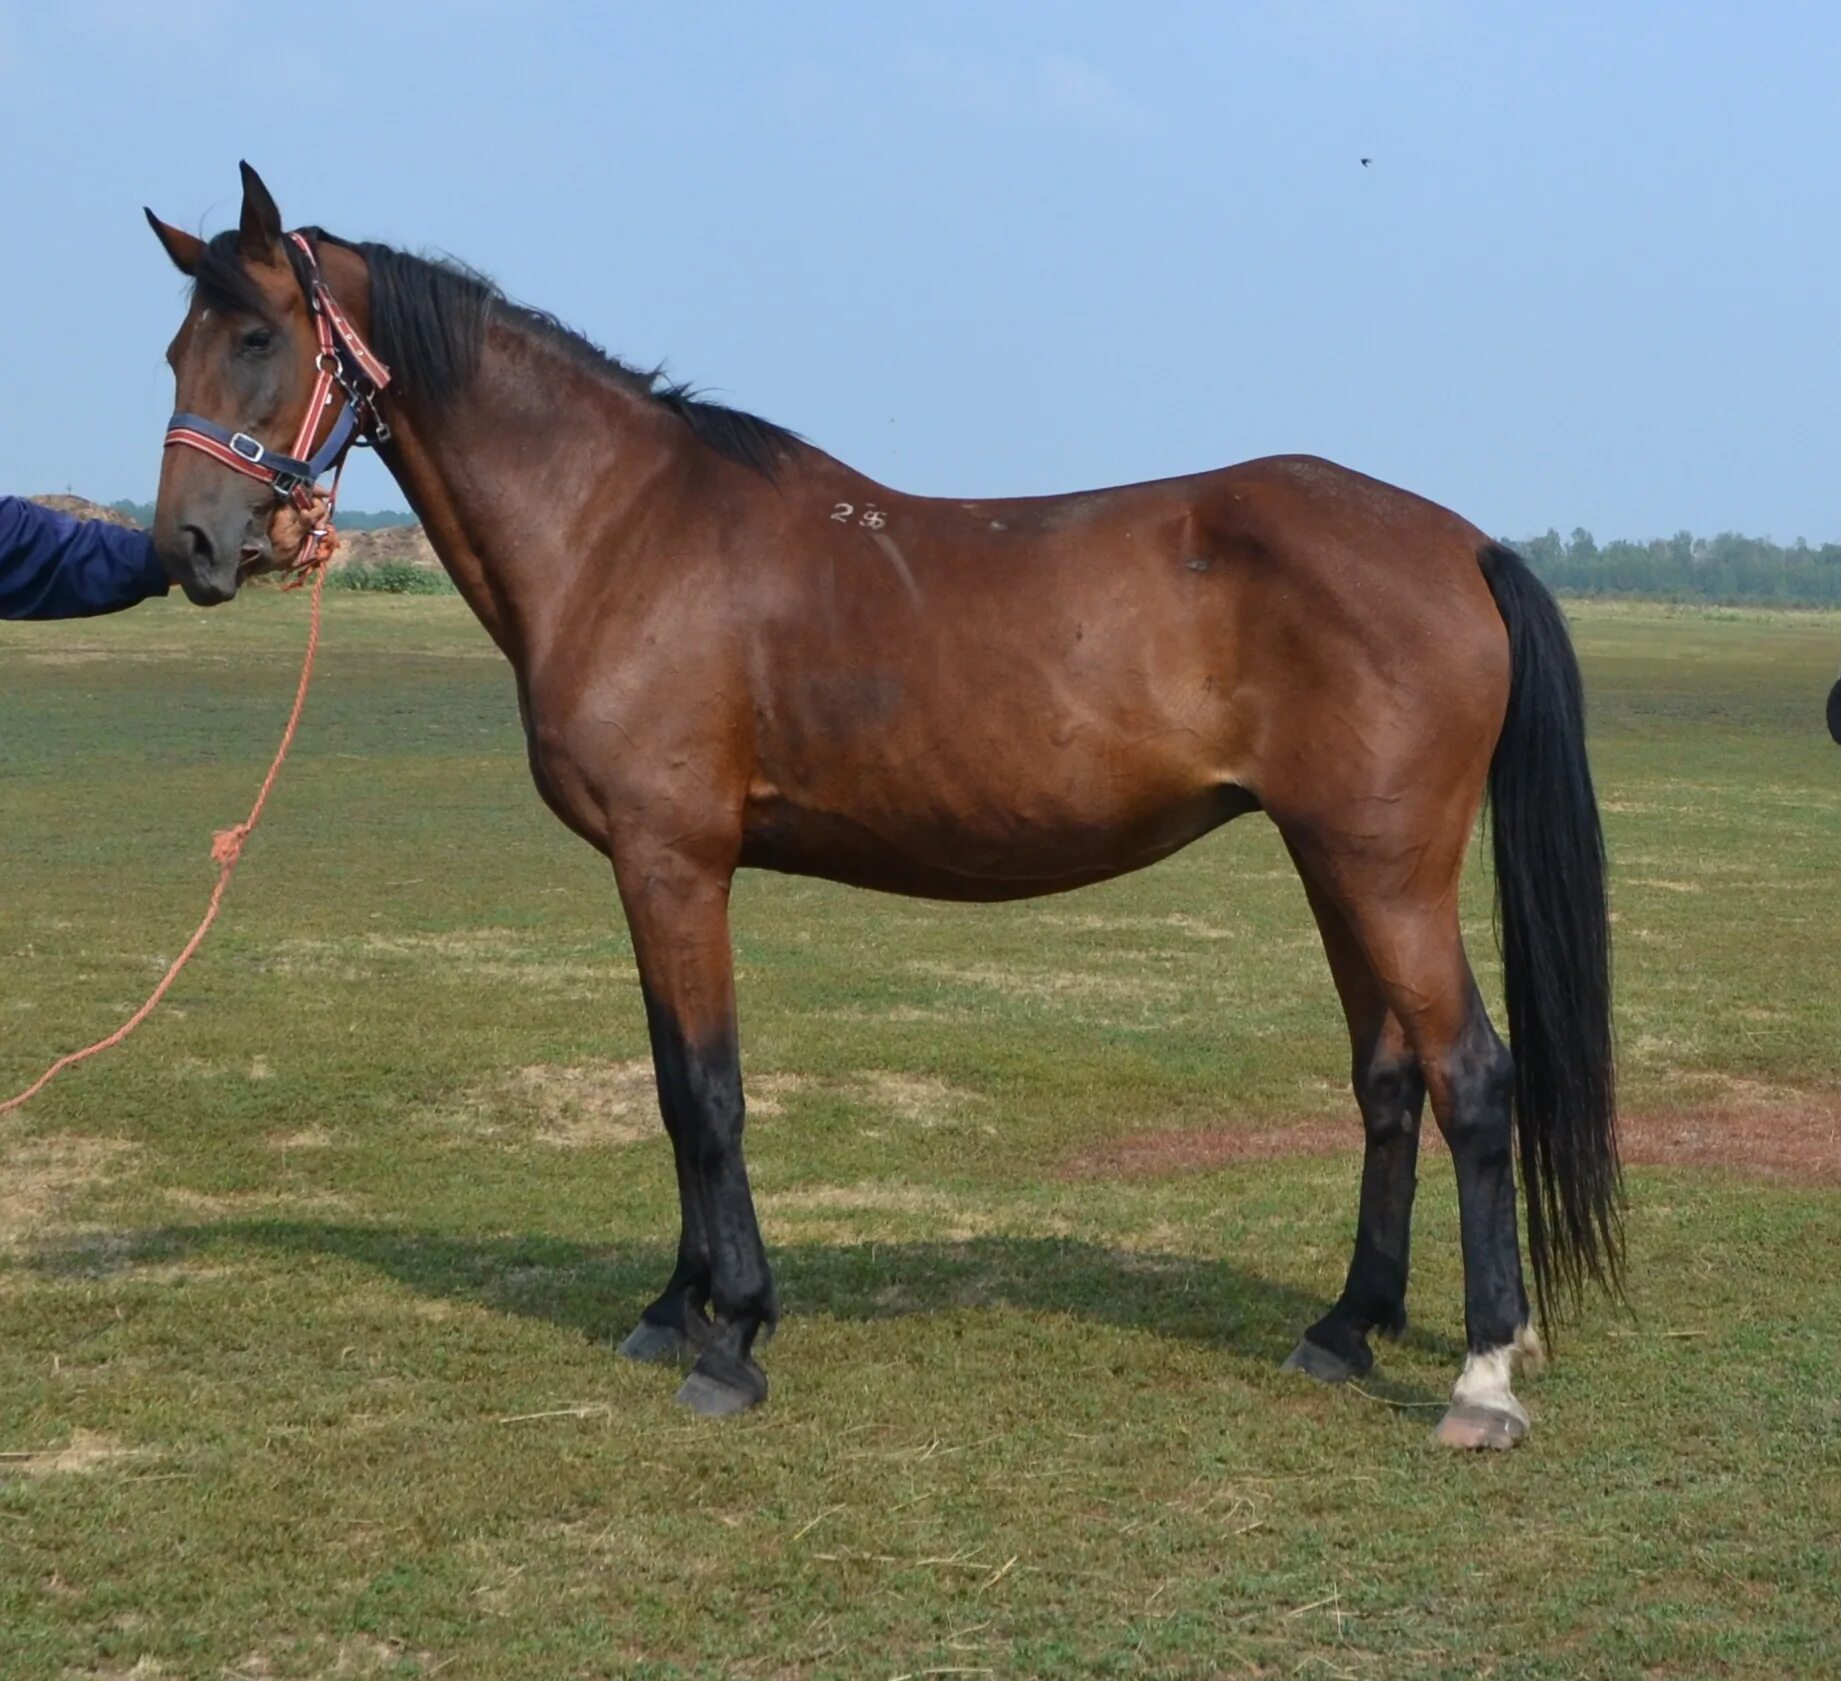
(676, 1323)
(680, 1309)
(1476, 1120)
(706, 1081)
(1391, 1094)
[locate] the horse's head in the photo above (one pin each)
(244, 357)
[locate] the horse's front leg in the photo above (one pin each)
(678, 910)
(676, 1326)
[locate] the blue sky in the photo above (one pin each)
(1591, 277)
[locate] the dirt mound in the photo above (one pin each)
(79, 507)
(389, 545)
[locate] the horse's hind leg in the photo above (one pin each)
(1390, 1093)
(1400, 903)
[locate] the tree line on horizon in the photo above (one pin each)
(1727, 570)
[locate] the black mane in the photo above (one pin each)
(429, 320)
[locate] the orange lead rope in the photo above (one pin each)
(347, 364)
(227, 845)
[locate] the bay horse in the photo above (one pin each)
(733, 651)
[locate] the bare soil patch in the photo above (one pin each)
(1169, 1151)
(1766, 1132)
(1778, 1133)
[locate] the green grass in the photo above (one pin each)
(274, 1277)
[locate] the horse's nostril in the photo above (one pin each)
(199, 543)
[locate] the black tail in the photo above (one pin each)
(1554, 926)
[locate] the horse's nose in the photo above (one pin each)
(194, 566)
(198, 552)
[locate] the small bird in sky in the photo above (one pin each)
(1366, 162)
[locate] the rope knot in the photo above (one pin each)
(227, 845)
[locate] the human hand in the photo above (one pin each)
(288, 530)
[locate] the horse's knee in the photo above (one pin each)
(1389, 1089)
(1478, 1083)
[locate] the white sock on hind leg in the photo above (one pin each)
(1486, 1381)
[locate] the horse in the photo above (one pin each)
(733, 651)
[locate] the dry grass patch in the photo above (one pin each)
(844, 1213)
(876, 1194)
(308, 1138)
(906, 1015)
(225, 1203)
(1087, 922)
(1101, 983)
(86, 1452)
(570, 1107)
(472, 954)
(39, 1177)
(116, 657)
(918, 1099)
(591, 1105)
(597, 1105)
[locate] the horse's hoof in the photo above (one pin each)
(1476, 1427)
(718, 1388)
(1314, 1360)
(710, 1397)
(657, 1345)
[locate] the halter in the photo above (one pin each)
(344, 361)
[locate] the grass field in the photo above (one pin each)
(307, 1296)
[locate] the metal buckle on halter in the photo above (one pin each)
(287, 483)
(251, 449)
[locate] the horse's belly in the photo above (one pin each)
(977, 765)
(937, 847)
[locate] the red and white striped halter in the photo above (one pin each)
(343, 361)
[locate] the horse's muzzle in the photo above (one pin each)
(208, 571)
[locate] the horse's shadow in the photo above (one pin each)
(597, 1291)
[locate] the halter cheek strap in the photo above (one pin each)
(343, 361)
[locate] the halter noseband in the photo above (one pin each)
(343, 361)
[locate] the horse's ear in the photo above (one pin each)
(260, 232)
(187, 250)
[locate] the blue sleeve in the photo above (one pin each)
(56, 567)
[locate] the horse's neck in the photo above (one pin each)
(522, 481)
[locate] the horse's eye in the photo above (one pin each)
(257, 342)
